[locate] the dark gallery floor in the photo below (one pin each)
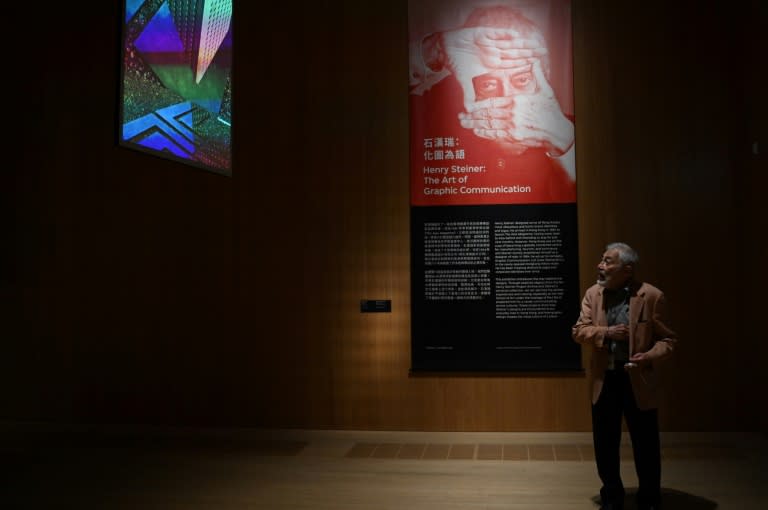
(51, 467)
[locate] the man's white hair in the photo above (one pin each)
(627, 254)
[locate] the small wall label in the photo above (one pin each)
(375, 305)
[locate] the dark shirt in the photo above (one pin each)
(616, 304)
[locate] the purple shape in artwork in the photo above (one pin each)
(160, 34)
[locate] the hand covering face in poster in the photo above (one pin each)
(489, 78)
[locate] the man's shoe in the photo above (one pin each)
(642, 506)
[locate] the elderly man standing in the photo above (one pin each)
(623, 320)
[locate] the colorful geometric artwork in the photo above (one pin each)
(176, 89)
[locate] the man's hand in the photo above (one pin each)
(530, 120)
(640, 358)
(618, 332)
(496, 48)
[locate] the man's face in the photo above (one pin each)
(504, 84)
(611, 273)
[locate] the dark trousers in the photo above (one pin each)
(617, 400)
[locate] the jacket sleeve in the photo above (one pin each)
(422, 75)
(585, 331)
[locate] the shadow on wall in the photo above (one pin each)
(670, 498)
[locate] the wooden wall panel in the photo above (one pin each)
(142, 291)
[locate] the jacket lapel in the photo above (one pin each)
(602, 318)
(636, 304)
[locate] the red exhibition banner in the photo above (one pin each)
(494, 270)
(491, 102)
